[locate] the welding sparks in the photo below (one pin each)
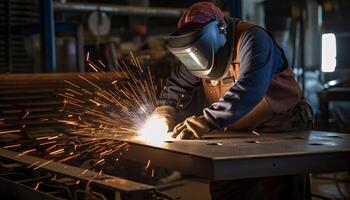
(37, 186)
(154, 130)
(94, 113)
(33, 164)
(147, 165)
(256, 133)
(25, 115)
(11, 146)
(10, 131)
(42, 165)
(25, 152)
(84, 171)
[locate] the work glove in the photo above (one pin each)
(168, 113)
(192, 127)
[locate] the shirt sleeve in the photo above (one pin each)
(179, 87)
(259, 59)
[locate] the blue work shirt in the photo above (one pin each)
(260, 58)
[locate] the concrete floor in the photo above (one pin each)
(189, 189)
(321, 184)
(325, 185)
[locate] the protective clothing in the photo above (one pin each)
(277, 110)
(252, 98)
(168, 113)
(192, 127)
(259, 93)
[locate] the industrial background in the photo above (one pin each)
(50, 46)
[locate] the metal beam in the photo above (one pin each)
(118, 9)
(47, 37)
(103, 180)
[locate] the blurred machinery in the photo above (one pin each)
(70, 31)
(334, 97)
(315, 37)
(14, 15)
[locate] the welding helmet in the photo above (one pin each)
(206, 52)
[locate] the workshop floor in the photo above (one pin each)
(322, 184)
(189, 189)
(325, 185)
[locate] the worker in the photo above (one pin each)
(248, 86)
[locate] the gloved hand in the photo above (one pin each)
(192, 127)
(168, 113)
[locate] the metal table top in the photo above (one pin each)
(224, 156)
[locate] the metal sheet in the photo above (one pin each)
(106, 181)
(226, 156)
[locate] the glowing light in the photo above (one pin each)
(194, 57)
(329, 52)
(154, 130)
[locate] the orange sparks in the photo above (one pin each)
(256, 133)
(91, 83)
(100, 161)
(42, 165)
(148, 164)
(11, 146)
(37, 186)
(93, 67)
(84, 171)
(95, 102)
(59, 151)
(44, 119)
(53, 146)
(34, 163)
(25, 115)
(25, 152)
(72, 84)
(54, 137)
(103, 65)
(42, 138)
(69, 158)
(10, 131)
(75, 92)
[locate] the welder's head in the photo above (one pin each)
(201, 41)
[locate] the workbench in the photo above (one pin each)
(330, 95)
(227, 156)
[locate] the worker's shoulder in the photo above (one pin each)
(256, 35)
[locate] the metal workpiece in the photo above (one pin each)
(88, 176)
(225, 156)
(118, 9)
